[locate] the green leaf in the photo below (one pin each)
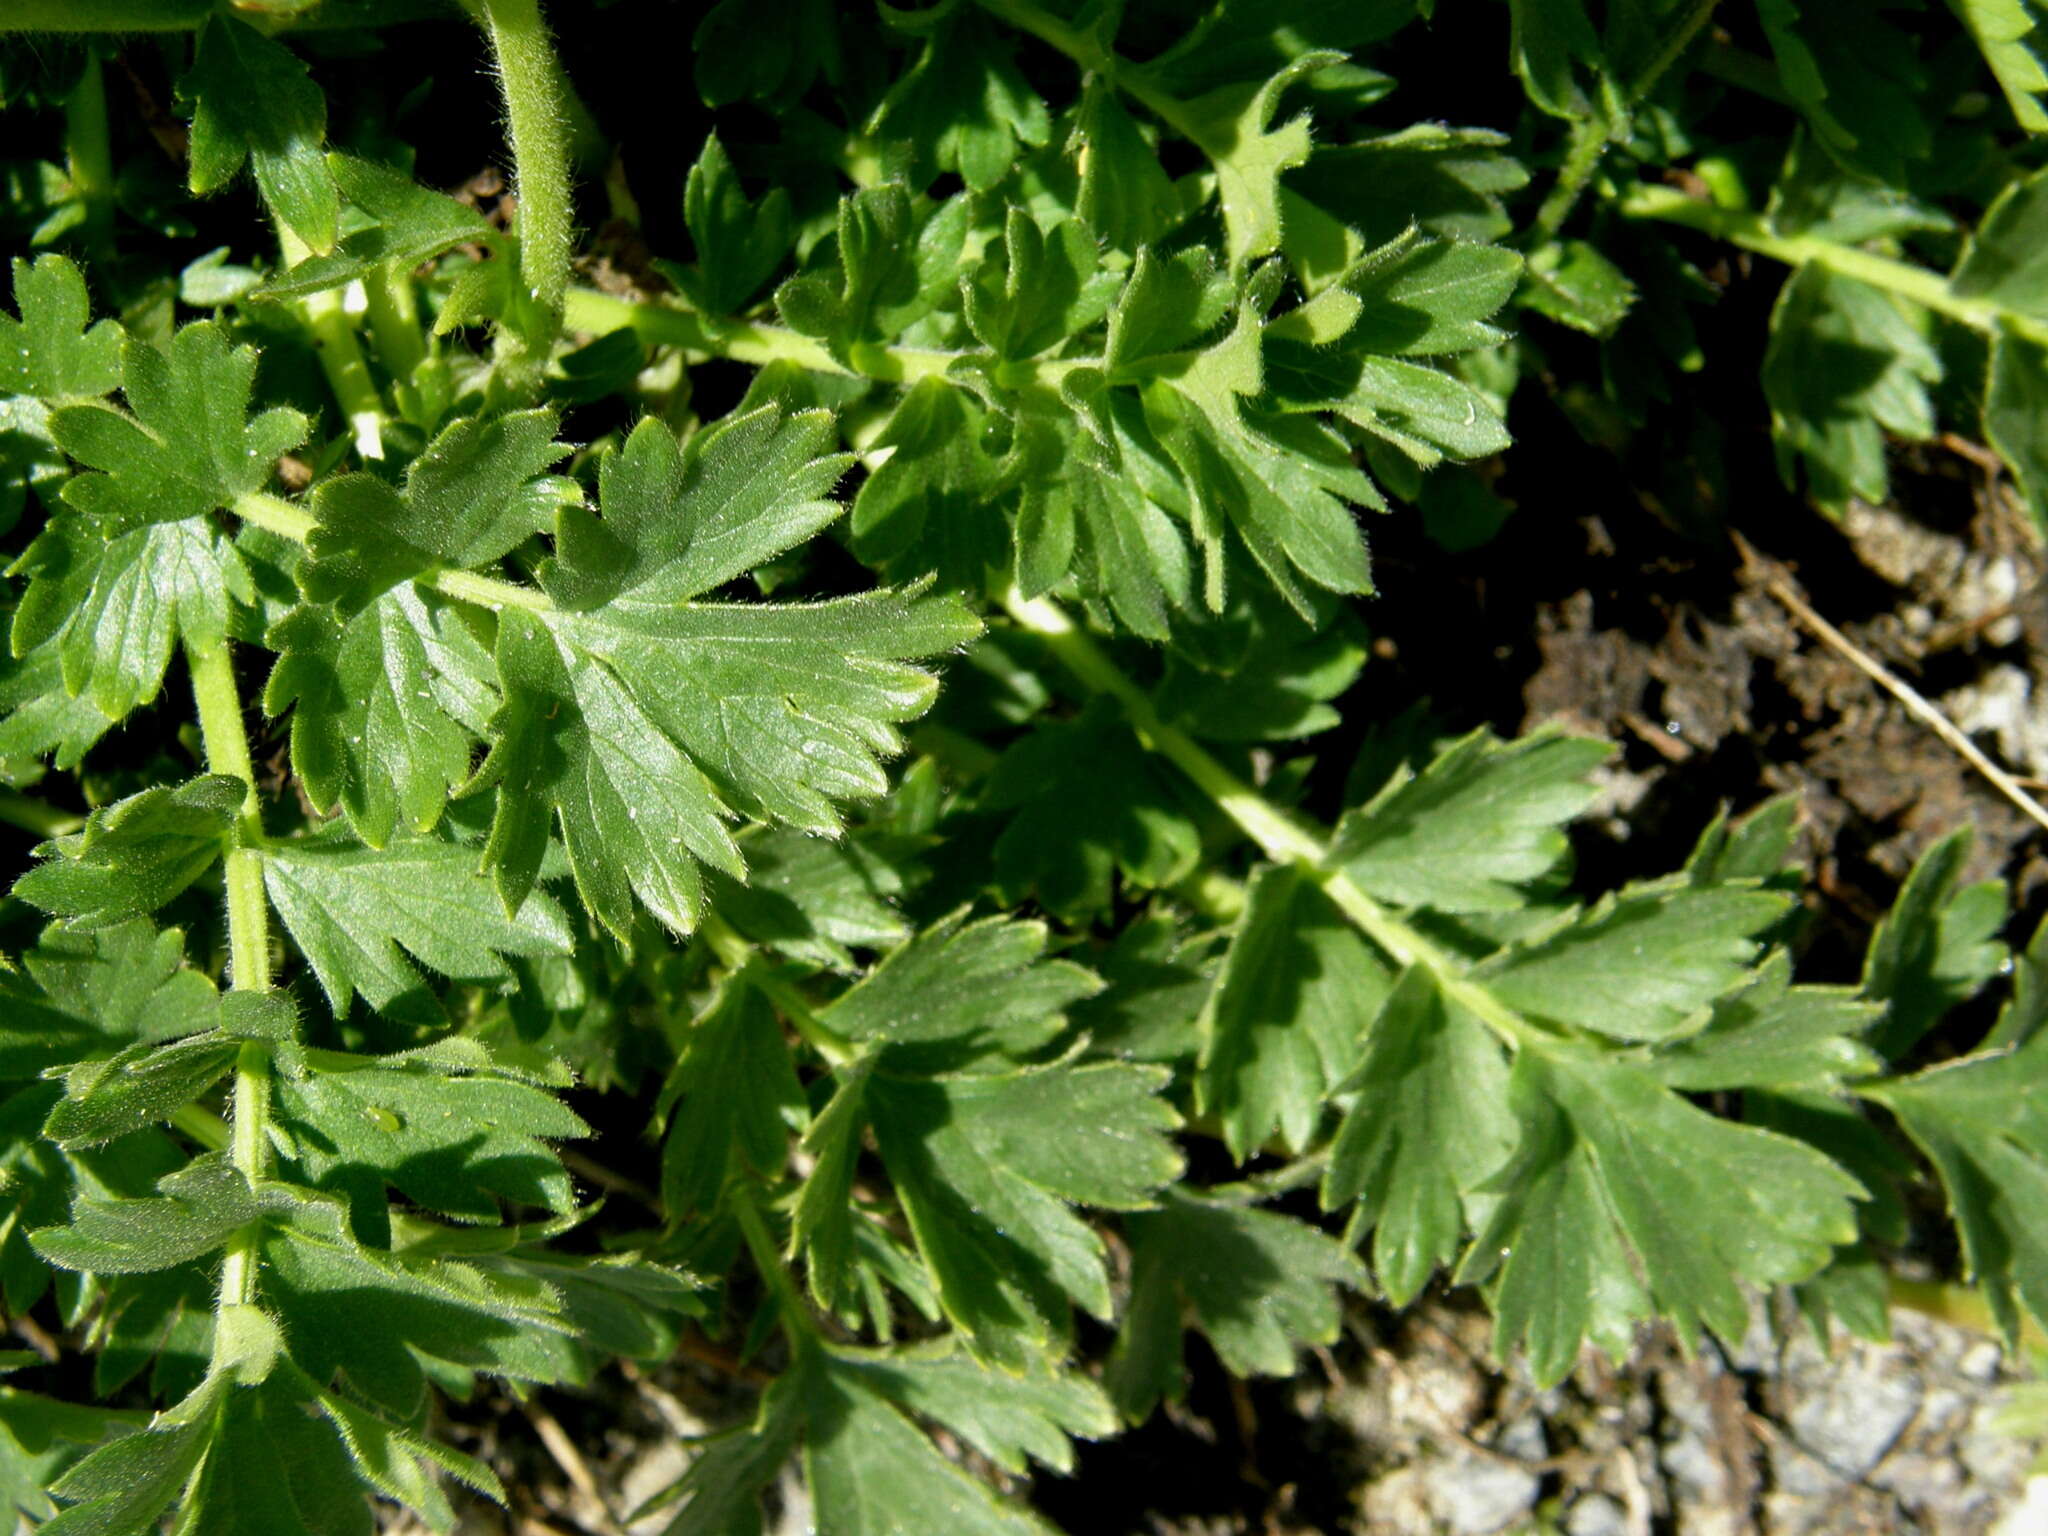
(1234, 125)
(572, 742)
(370, 1315)
(1771, 1034)
(879, 1475)
(1257, 1284)
(118, 608)
(136, 854)
(1429, 1063)
(963, 106)
(1483, 821)
(253, 101)
(140, 1086)
(1012, 1420)
(386, 700)
(51, 352)
(189, 446)
(678, 524)
(1286, 485)
(201, 1205)
(401, 1465)
(738, 1095)
(1125, 197)
(1642, 965)
(121, 1489)
(2026, 1008)
(1427, 413)
(2015, 406)
(38, 715)
(350, 909)
(1857, 78)
(1936, 947)
(445, 1125)
(814, 899)
(1088, 803)
(2005, 264)
(475, 494)
(988, 1169)
(84, 993)
(1287, 1021)
(1623, 1200)
(876, 269)
(931, 507)
(2011, 35)
(738, 244)
(641, 721)
(974, 988)
(1981, 1121)
(1572, 283)
(279, 1467)
(1281, 691)
(1037, 289)
(413, 225)
(1845, 365)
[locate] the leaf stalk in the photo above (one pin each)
(538, 126)
(1282, 836)
(226, 742)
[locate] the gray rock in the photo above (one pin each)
(1924, 1484)
(1476, 1496)
(1860, 1411)
(1596, 1515)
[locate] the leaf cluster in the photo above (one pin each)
(832, 712)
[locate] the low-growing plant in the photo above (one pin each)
(477, 686)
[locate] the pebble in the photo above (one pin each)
(1860, 1412)
(1476, 1496)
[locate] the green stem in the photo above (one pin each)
(341, 355)
(104, 15)
(737, 955)
(31, 815)
(394, 320)
(1590, 136)
(1749, 231)
(191, 15)
(291, 521)
(742, 341)
(1087, 51)
(1585, 149)
(768, 1260)
(227, 751)
(1282, 836)
(88, 153)
(540, 148)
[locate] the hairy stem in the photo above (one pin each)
(89, 155)
(1590, 136)
(1749, 231)
(227, 751)
(191, 15)
(341, 355)
(291, 521)
(1281, 835)
(742, 341)
(394, 320)
(796, 1316)
(104, 15)
(736, 954)
(1085, 50)
(31, 815)
(540, 146)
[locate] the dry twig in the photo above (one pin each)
(1774, 582)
